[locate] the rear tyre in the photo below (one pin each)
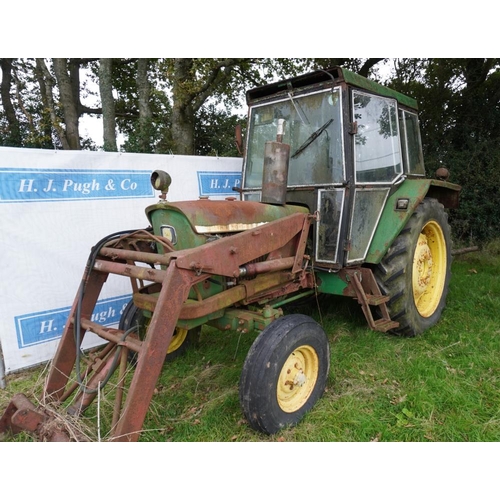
(416, 270)
(132, 316)
(284, 373)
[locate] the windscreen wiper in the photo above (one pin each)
(312, 138)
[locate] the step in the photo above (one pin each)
(384, 325)
(376, 300)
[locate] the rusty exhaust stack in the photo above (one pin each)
(275, 172)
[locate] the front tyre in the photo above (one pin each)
(416, 270)
(284, 373)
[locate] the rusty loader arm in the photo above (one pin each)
(272, 253)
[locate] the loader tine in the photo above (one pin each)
(22, 415)
(6, 420)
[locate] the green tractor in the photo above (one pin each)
(334, 200)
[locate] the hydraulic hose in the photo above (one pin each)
(81, 292)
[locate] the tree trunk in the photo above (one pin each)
(68, 100)
(145, 114)
(183, 129)
(46, 128)
(190, 90)
(14, 130)
(48, 84)
(108, 104)
(182, 111)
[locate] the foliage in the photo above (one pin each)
(477, 220)
(222, 143)
(460, 122)
(32, 127)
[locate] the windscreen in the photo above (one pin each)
(313, 128)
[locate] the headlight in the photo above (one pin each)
(161, 181)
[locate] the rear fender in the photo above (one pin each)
(394, 219)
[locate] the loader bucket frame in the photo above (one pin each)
(280, 243)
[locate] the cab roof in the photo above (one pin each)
(336, 75)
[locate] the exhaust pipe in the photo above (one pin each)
(275, 171)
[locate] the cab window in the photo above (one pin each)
(377, 149)
(412, 143)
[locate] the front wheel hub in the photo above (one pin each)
(297, 378)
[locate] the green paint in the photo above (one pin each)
(393, 221)
(188, 324)
(207, 213)
(185, 216)
(330, 283)
(360, 81)
(186, 236)
(244, 321)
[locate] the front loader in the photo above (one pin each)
(334, 200)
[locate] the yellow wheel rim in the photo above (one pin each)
(297, 378)
(178, 339)
(429, 269)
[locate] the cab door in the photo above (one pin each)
(377, 167)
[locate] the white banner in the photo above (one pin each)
(54, 207)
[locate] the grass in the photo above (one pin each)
(443, 386)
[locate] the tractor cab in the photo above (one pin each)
(351, 142)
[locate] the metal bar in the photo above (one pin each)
(133, 255)
(225, 256)
(120, 387)
(301, 245)
(174, 292)
(198, 309)
(113, 335)
(142, 273)
(460, 251)
(280, 303)
(362, 300)
(65, 357)
(267, 266)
